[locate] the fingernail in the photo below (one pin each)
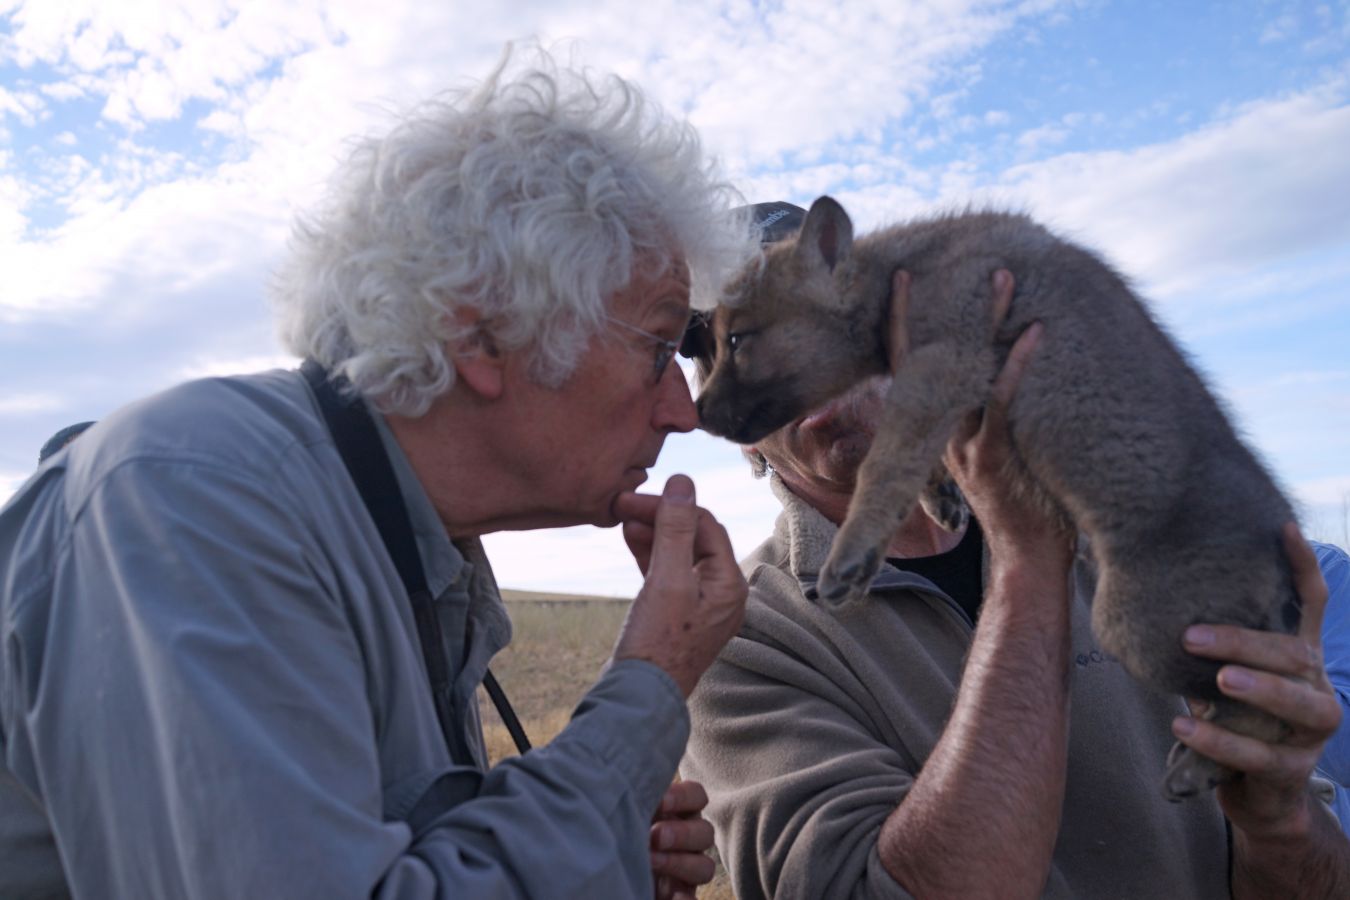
(665, 839)
(1001, 278)
(680, 490)
(1199, 636)
(1183, 726)
(1237, 679)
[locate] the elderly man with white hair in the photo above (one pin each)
(242, 622)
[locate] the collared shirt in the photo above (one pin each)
(211, 684)
(1335, 761)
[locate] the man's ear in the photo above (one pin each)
(478, 363)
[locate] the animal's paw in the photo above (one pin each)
(944, 504)
(846, 576)
(1189, 774)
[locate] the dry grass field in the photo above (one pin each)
(559, 644)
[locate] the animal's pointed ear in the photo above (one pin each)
(826, 236)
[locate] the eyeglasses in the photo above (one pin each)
(665, 350)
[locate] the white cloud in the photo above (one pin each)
(1263, 184)
(1279, 29)
(14, 196)
(23, 105)
(11, 481)
(24, 404)
(1324, 508)
(215, 367)
(1306, 379)
(1034, 140)
(168, 238)
(799, 98)
(1324, 491)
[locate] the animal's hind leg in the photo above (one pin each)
(933, 389)
(1189, 773)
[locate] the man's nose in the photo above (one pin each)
(675, 408)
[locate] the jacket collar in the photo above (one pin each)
(807, 536)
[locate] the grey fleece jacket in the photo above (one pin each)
(813, 724)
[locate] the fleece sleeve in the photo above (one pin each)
(800, 781)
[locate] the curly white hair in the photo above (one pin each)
(532, 199)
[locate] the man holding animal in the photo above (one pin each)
(961, 733)
(243, 622)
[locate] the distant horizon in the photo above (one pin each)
(153, 158)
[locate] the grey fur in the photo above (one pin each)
(1116, 431)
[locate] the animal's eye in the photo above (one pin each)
(734, 341)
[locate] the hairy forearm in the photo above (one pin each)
(1309, 860)
(992, 789)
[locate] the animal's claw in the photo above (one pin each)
(945, 505)
(845, 579)
(1189, 774)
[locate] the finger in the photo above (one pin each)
(1005, 385)
(691, 868)
(1290, 655)
(1313, 714)
(1308, 582)
(897, 337)
(674, 889)
(638, 536)
(719, 576)
(1003, 296)
(676, 525)
(682, 835)
(955, 456)
(631, 506)
(682, 798)
(1245, 754)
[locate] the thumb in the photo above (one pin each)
(676, 526)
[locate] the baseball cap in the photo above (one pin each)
(775, 220)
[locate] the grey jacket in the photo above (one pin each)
(813, 724)
(211, 684)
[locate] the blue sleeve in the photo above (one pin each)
(1335, 565)
(202, 728)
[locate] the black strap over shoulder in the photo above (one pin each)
(358, 442)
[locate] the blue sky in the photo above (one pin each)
(153, 154)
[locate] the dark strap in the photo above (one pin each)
(358, 442)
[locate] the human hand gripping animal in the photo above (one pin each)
(1114, 430)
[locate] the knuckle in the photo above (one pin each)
(1324, 716)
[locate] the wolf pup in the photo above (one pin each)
(1117, 433)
